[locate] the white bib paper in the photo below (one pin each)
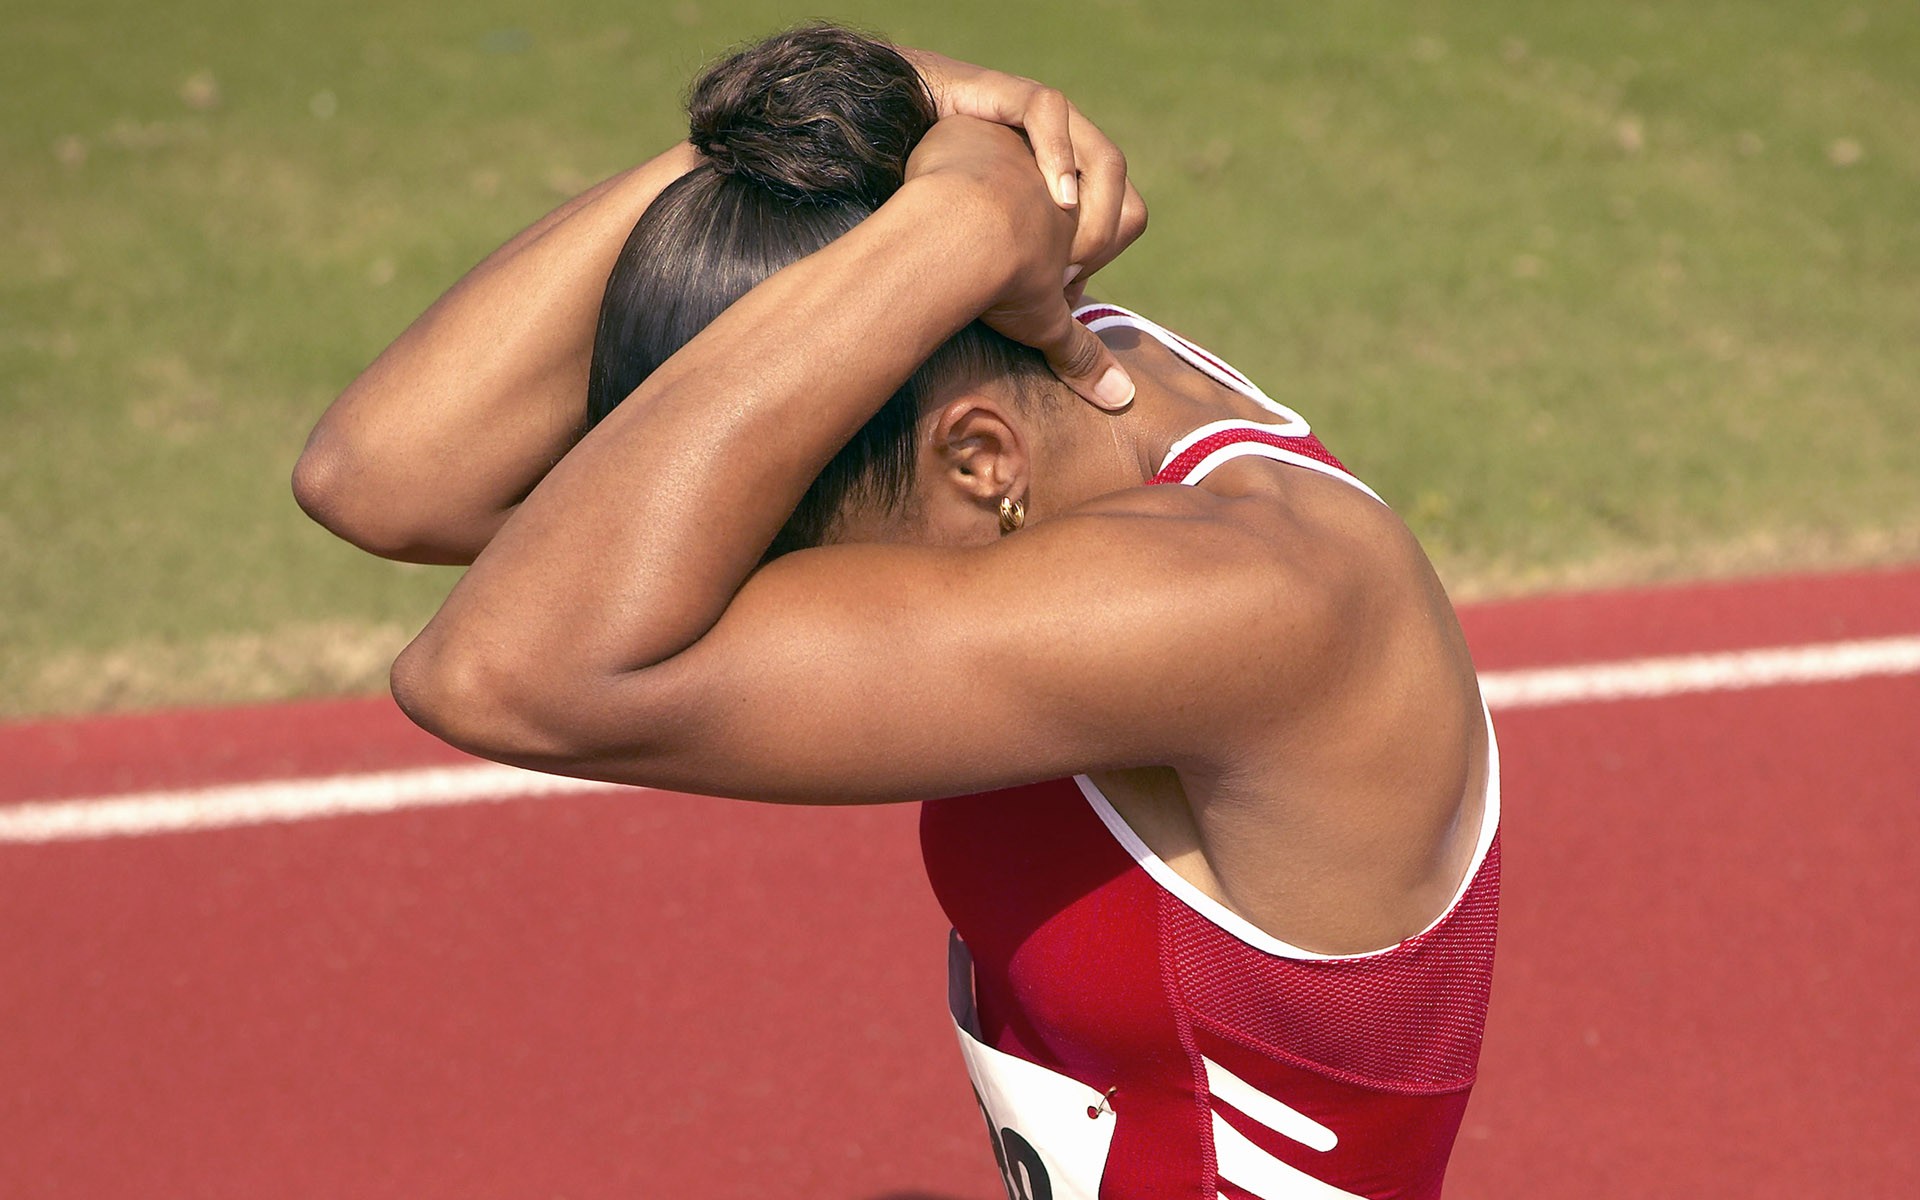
(1047, 1145)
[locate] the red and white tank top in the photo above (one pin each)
(1130, 1038)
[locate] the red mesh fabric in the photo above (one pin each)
(1407, 1020)
(1184, 463)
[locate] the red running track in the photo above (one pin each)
(1705, 980)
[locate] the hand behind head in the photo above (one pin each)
(1019, 236)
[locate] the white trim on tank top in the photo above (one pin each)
(1292, 424)
(1246, 931)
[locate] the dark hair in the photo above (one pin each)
(805, 135)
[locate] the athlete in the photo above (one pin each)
(869, 512)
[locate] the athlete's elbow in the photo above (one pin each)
(436, 690)
(511, 703)
(329, 486)
(345, 494)
(318, 484)
(472, 698)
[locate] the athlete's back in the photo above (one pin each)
(1129, 1035)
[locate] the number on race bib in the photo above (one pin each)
(1021, 1171)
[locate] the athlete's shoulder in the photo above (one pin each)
(1258, 514)
(1231, 567)
(1185, 527)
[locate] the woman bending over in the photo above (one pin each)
(1210, 794)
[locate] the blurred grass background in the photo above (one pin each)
(1591, 292)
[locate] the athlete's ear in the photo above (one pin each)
(979, 451)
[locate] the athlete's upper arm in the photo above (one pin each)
(851, 673)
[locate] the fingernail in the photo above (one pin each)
(1073, 272)
(1069, 189)
(1115, 390)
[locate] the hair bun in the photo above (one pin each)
(816, 114)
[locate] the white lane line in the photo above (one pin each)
(1649, 677)
(188, 809)
(220, 807)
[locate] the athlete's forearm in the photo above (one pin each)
(427, 452)
(631, 549)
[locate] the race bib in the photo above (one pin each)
(1050, 1133)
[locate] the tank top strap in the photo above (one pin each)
(1290, 439)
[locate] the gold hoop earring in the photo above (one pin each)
(1013, 515)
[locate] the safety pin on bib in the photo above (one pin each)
(1105, 1105)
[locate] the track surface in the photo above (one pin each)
(1705, 987)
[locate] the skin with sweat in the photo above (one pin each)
(1300, 878)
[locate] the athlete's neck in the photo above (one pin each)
(1091, 453)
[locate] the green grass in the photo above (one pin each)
(1589, 291)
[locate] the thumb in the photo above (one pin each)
(1083, 363)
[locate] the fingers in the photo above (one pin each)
(1049, 122)
(1074, 156)
(1086, 175)
(1042, 112)
(1083, 363)
(1103, 189)
(1131, 222)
